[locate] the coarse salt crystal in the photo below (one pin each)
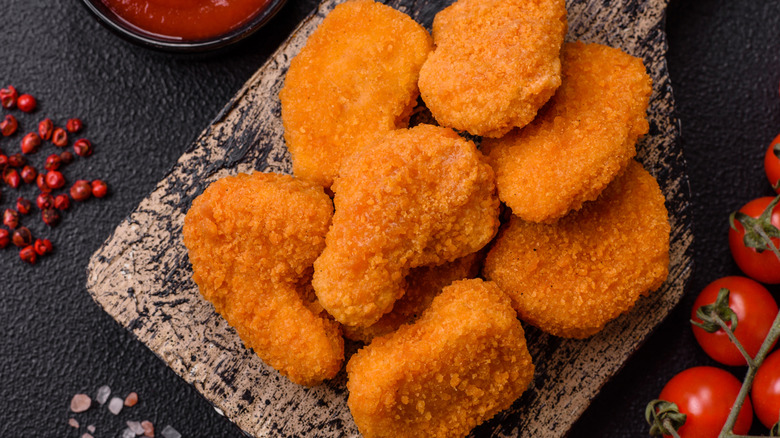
(80, 403)
(102, 394)
(135, 427)
(169, 432)
(148, 428)
(73, 423)
(131, 399)
(86, 435)
(115, 405)
(127, 433)
(91, 428)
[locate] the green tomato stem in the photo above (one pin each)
(769, 341)
(670, 428)
(768, 240)
(734, 339)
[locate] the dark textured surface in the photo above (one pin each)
(143, 109)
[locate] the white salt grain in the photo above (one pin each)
(169, 432)
(91, 428)
(127, 433)
(102, 394)
(115, 405)
(86, 435)
(136, 427)
(73, 423)
(80, 403)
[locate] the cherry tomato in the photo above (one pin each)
(763, 266)
(705, 395)
(766, 390)
(756, 310)
(772, 163)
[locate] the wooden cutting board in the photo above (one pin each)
(142, 277)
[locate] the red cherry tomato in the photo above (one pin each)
(756, 310)
(763, 266)
(766, 390)
(705, 395)
(772, 163)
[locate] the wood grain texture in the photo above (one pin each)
(142, 277)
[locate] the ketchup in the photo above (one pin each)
(188, 20)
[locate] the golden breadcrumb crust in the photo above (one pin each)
(252, 240)
(496, 62)
(356, 79)
(461, 363)
(572, 277)
(581, 141)
(423, 284)
(421, 196)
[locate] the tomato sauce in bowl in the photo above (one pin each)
(184, 25)
(189, 20)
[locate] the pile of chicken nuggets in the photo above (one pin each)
(390, 235)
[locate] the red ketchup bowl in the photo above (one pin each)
(185, 26)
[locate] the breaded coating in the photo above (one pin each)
(252, 240)
(572, 277)
(422, 196)
(461, 363)
(581, 141)
(423, 285)
(355, 79)
(496, 62)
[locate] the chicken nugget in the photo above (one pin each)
(496, 62)
(355, 79)
(252, 240)
(581, 141)
(572, 277)
(462, 362)
(423, 284)
(421, 196)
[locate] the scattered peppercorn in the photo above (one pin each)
(50, 216)
(82, 147)
(54, 179)
(67, 157)
(53, 162)
(26, 103)
(5, 237)
(74, 125)
(8, 125)
(8, 97)
(81, 190)
(45, 128)
(99, 188)
(29, 174)
(23, 206)
(30, 143)
(59, 137)
(17, 160)
(44, 201)
(14, 169)
(62, 202)
(28, 254)
(21, 237)
(43, 246)
(11, 177)
(41, 182)
(11, 218)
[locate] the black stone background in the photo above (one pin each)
(142, 110)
